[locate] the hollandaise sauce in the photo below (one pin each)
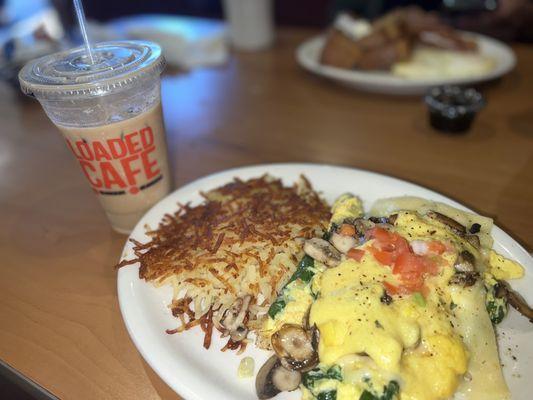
(396, 315)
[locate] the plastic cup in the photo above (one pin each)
(251, 23)
(110, 116)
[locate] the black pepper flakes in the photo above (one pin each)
(386, 298)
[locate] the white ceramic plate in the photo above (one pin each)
(197, 374)
(308, 55)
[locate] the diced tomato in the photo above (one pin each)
(413, 268)
(355, 254)
(383, 257)
(434, 264)
(391, 249)
(347, 230)
(413, 284)
(388, 241)
(406, 288)
(407, 264)
(436, 247)
(380, 234)
(387, 245)
(390, 288)
(402, 246)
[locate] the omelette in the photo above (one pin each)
(399, 304)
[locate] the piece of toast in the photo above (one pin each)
(384, 57)
(391, 40)
(340, 51)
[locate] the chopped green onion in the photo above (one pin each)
(419, 299)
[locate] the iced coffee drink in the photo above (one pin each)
(109, 113)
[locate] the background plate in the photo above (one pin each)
(197, 374)
(309, 52)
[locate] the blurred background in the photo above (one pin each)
(29, 28)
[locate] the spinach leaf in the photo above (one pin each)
(329, 395)
(497, 310)
(496, 306)
(276, 307)
(334, 372)
(390, 392)
(366, 395)
(304, 270)
(311, 377)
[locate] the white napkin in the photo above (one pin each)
(187, 42)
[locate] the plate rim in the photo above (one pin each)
(180, 387)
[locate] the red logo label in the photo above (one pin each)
(114, 166)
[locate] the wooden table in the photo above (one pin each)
(60, 323)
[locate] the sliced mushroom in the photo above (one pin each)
(362, 226)
(454, 226)
(466, 262)
(379, 220)
(342, 243)
(384, 221)
(464, 279)
(273, 378)
(233, 319)
(473, 240)
(503, 290)
(239, 333)
(285, 379)
(296, 347)
(321, 250)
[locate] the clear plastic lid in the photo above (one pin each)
(70, 73)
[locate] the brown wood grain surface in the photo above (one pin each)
(60, 323)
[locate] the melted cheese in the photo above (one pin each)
(298, 299)
(413, 226)
(445, 357)
(503, 268)
(398, 340)
(426, 346)
(360, 323)
(385, 207)
(486, 380)
(346, 206)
